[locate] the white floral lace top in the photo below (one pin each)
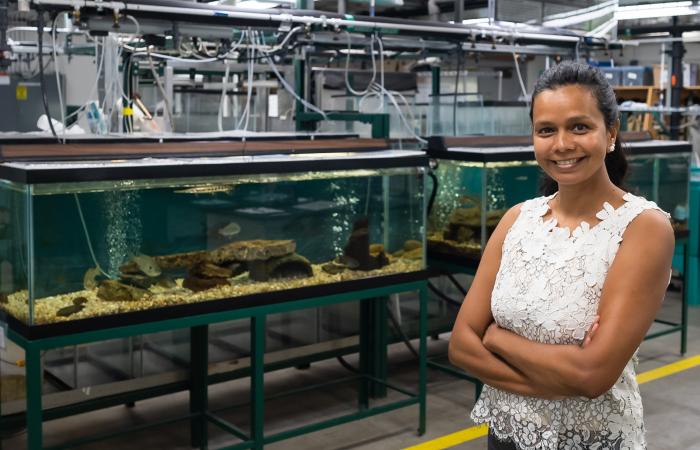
(548, 289)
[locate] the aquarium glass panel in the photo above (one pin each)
(103, 248)
(663, 178)
(14, 244)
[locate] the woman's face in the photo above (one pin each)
(569, 134)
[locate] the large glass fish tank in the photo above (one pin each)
(89, 240)
(660, 171)
(475, 181)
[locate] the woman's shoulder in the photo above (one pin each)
(646, 212)
(646, 219)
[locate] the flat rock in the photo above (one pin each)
(197, 284)
(114, 291)
(69, 310)
(169, 262)
(333, 268)
(256, 250)
(288, 266)
(205, 269)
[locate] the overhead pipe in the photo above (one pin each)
(308, 18)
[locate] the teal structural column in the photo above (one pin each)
(34, 413)
(435, 79)
(257, 380)
(301, 123)
(690, 275)
(380, 126)
(199, 361)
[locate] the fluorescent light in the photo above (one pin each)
(580, 15)
(480, 20)
(654, 10)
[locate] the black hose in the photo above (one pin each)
(456, 283)
(394, 321)
(42, 81)
(433, 193)
(346, 364)
(444, 297)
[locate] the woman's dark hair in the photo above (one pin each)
(568, 73)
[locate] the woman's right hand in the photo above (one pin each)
(588, 337)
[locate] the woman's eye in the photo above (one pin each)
(580, 127)
(546, 130)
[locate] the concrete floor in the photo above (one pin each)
(672, 406)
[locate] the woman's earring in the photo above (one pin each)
(611, 148)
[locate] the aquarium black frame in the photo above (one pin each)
(9, 139)
(60, 174)
(509, 153)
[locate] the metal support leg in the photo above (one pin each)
(378, 342)
(257, 380)
(363, 394)
(199, 361)
(422, 357)
(34, 413)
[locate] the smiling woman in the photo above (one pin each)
(590, 99)
(554, 317)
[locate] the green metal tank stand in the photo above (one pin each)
(372, 357)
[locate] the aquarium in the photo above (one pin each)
(660, 171)
(474, 187)
(89, 240)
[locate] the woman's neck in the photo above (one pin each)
(586, 199)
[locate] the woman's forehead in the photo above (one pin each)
(565, 101)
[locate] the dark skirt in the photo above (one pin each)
(495, 444)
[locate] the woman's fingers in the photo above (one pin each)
(591, 331)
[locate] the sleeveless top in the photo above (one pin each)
(547, 290)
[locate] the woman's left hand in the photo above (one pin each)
(489, 336)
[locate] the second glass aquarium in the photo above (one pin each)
(81, 240)
(474, 185)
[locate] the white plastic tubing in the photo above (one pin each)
(305, 20)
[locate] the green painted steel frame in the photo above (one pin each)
(199, 415)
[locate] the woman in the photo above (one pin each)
(568, 285)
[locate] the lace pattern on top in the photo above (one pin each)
(548, 289)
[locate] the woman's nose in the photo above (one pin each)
(563, 141)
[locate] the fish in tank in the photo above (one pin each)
(91, 249)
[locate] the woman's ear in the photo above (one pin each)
(615, 130)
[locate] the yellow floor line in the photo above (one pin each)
(453, 439)
(471, 433)
(669, 369)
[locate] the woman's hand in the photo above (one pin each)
(588, 337)
(490, 336)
